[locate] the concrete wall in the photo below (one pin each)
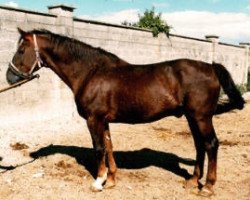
(48, 98)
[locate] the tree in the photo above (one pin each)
(153, 21)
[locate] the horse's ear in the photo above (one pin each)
(25, 35)
(22, 32)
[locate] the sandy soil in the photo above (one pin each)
(153, 160)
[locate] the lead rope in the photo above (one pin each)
(19, 83)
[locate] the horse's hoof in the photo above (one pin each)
(109, 184)
(206, 192)
(190, 184)
(96, 187)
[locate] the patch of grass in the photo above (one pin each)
(242, 88)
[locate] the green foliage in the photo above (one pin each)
(126, 23)
(242, 88)
(151, 20)
(248, 81)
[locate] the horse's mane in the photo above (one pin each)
(77, 49)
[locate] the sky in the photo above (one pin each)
(229, 19)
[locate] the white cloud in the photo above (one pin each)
(12, 4)
(230, 27)
(130, 15)
(248, 7)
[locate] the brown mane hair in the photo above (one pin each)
(76, 48)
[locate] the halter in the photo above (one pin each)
(38, 62)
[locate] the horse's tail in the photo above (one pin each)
(235, 99)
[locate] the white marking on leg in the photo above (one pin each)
(97, 185)
(107, 137)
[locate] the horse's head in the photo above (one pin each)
(26, 60)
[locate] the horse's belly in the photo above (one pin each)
(147, 112)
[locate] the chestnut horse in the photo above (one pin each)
(108, 89)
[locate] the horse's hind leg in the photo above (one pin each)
(208, 142)
(211, 147)
(200, 153)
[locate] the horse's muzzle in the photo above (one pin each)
(12, 77)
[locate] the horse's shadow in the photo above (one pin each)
(124, 159)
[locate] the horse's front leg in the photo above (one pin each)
(110, 159)
(97, 131)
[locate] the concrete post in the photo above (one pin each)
(64, 18)
(214, 39)
(246, 46)
(65, 26)
(247, 55)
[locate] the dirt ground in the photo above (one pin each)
(153, 160)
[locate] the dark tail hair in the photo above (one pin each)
(235, 99)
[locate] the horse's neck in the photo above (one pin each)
(72, 72)
(73, 75)
(75, 72)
